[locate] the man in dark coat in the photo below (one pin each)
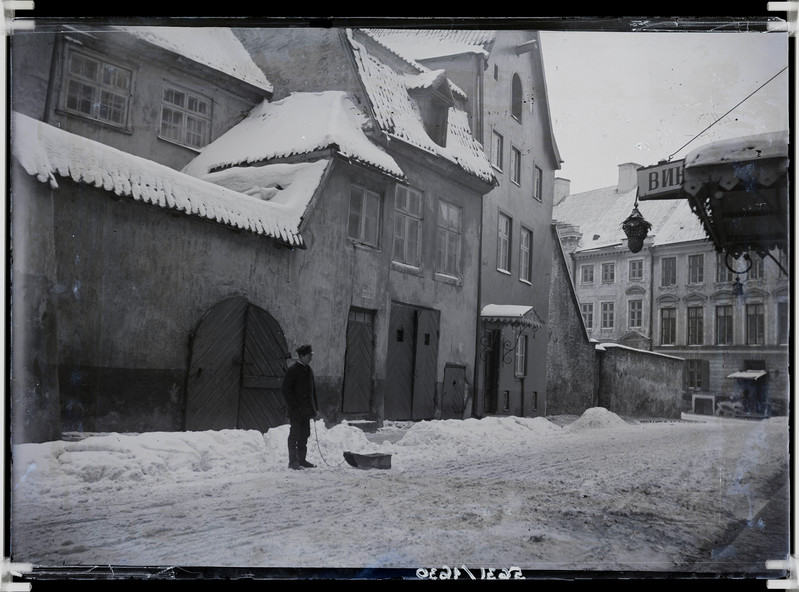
(299, 392)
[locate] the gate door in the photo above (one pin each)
(238, 359)
(424, 380)
(454, 397)
(358, 362)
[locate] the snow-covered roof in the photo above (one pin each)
(272, 206)
(215, 47)
(300, 124)
(513, 314)
(398, 115)
(419, 44)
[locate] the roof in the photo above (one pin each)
(743, 148)
(511, 314)
(48, 153)
(748, 374)
(397, 114)
(215, 47)
(300, 124)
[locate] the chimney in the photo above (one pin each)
(628, 177)
(562, 189)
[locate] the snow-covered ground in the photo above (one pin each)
(594, 493)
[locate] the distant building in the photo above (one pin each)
(678, 295)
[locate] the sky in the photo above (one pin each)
(619, 97)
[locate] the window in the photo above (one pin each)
(587, 310)
(723, 273)
(364, 218)
(97, 89)
(538, 176)
(756, 272)
(448, 247)
(516, 97)
(724, 325)
(668, 326)
(407, 225)
(521, 356)
(636, 269)
(526, 255)
(516, 166)
(586, 274)
(668, 270)
(696, 269)
(696, 325)
(608, 273)
(607, 315)
(185, 117)
(697, 374)
(497, 142)
(636, 313)
(503, 243)
(782, 323)
(755, 325)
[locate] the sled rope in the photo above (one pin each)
(316, 436)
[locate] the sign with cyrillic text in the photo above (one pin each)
(661, 181)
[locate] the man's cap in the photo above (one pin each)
(304, 350)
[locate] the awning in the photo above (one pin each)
(511, 314)
(750, 374)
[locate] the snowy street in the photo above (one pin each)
(596, 493)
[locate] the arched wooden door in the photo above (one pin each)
(237, 361)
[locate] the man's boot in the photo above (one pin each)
(302, 451)
(294, 456)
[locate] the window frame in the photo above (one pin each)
(517, 98)
(637, 314)
(407, 219)
(696, 271)
(759, 318)
(723, 273)
(186, 113)
(695, 325)
(587, 308)
(728, 327)
(604, 267)
(607, 311)
(671, 278)
(497, 149)
(520, 357)
(538, 183)
(638, 276)
(515, 165)
(526, 255)
(668, 330)
(444, 232)
(583, 268)
(504, 242)
(374, 197)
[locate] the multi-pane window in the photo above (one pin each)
(538, 183)
(608, 273)
(407, 225)
(756, 271)
(526, 255)
(587, 310)
(608, 310)
(521, 356)
(636, 313)
(516, 166)
(755, 324)
(364, 216)
(636, 269)
(503, 242)
(697, 374)
(586, 274)
(497, 142)
(696, 325)
(97, 89)
(185, 117)
(668, 270)
(724, 325)
(723, 273)
(696, 269)
(783, 324)
(668, 326)
(448, 241)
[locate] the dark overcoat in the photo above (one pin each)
(299, 391)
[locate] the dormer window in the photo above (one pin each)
(434, 99)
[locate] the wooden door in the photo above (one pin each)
(237, 361)
(491, 372)
(358, 362)
(425, 364)
(399, 363)
(453, 400)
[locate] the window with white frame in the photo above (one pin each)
(723, 273)
(497, 146)
(697, 374)
(724, 324)
(608, 313)
(587, 310)
(586, 274)
(516, 165)
(636, 270)
(668, 268)
(538, 183)
(755, 324)
(448, 239)
(636, 313)
(696, 269)
(408, 205)
(364, 216)
(185, 117)
(757, 270)
(668, 326)
(96, 88)
(526, 255)
(520, 368)
(608, 273)
(503, 242)
(696, 325)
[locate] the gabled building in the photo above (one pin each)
(727, 319)
(503, 77)
(159, 285)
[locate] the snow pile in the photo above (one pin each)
(596, 418)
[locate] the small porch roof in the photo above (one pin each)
(511, 314)
(750, 374)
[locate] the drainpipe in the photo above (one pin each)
(651, 297)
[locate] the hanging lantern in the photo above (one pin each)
(636, 229)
